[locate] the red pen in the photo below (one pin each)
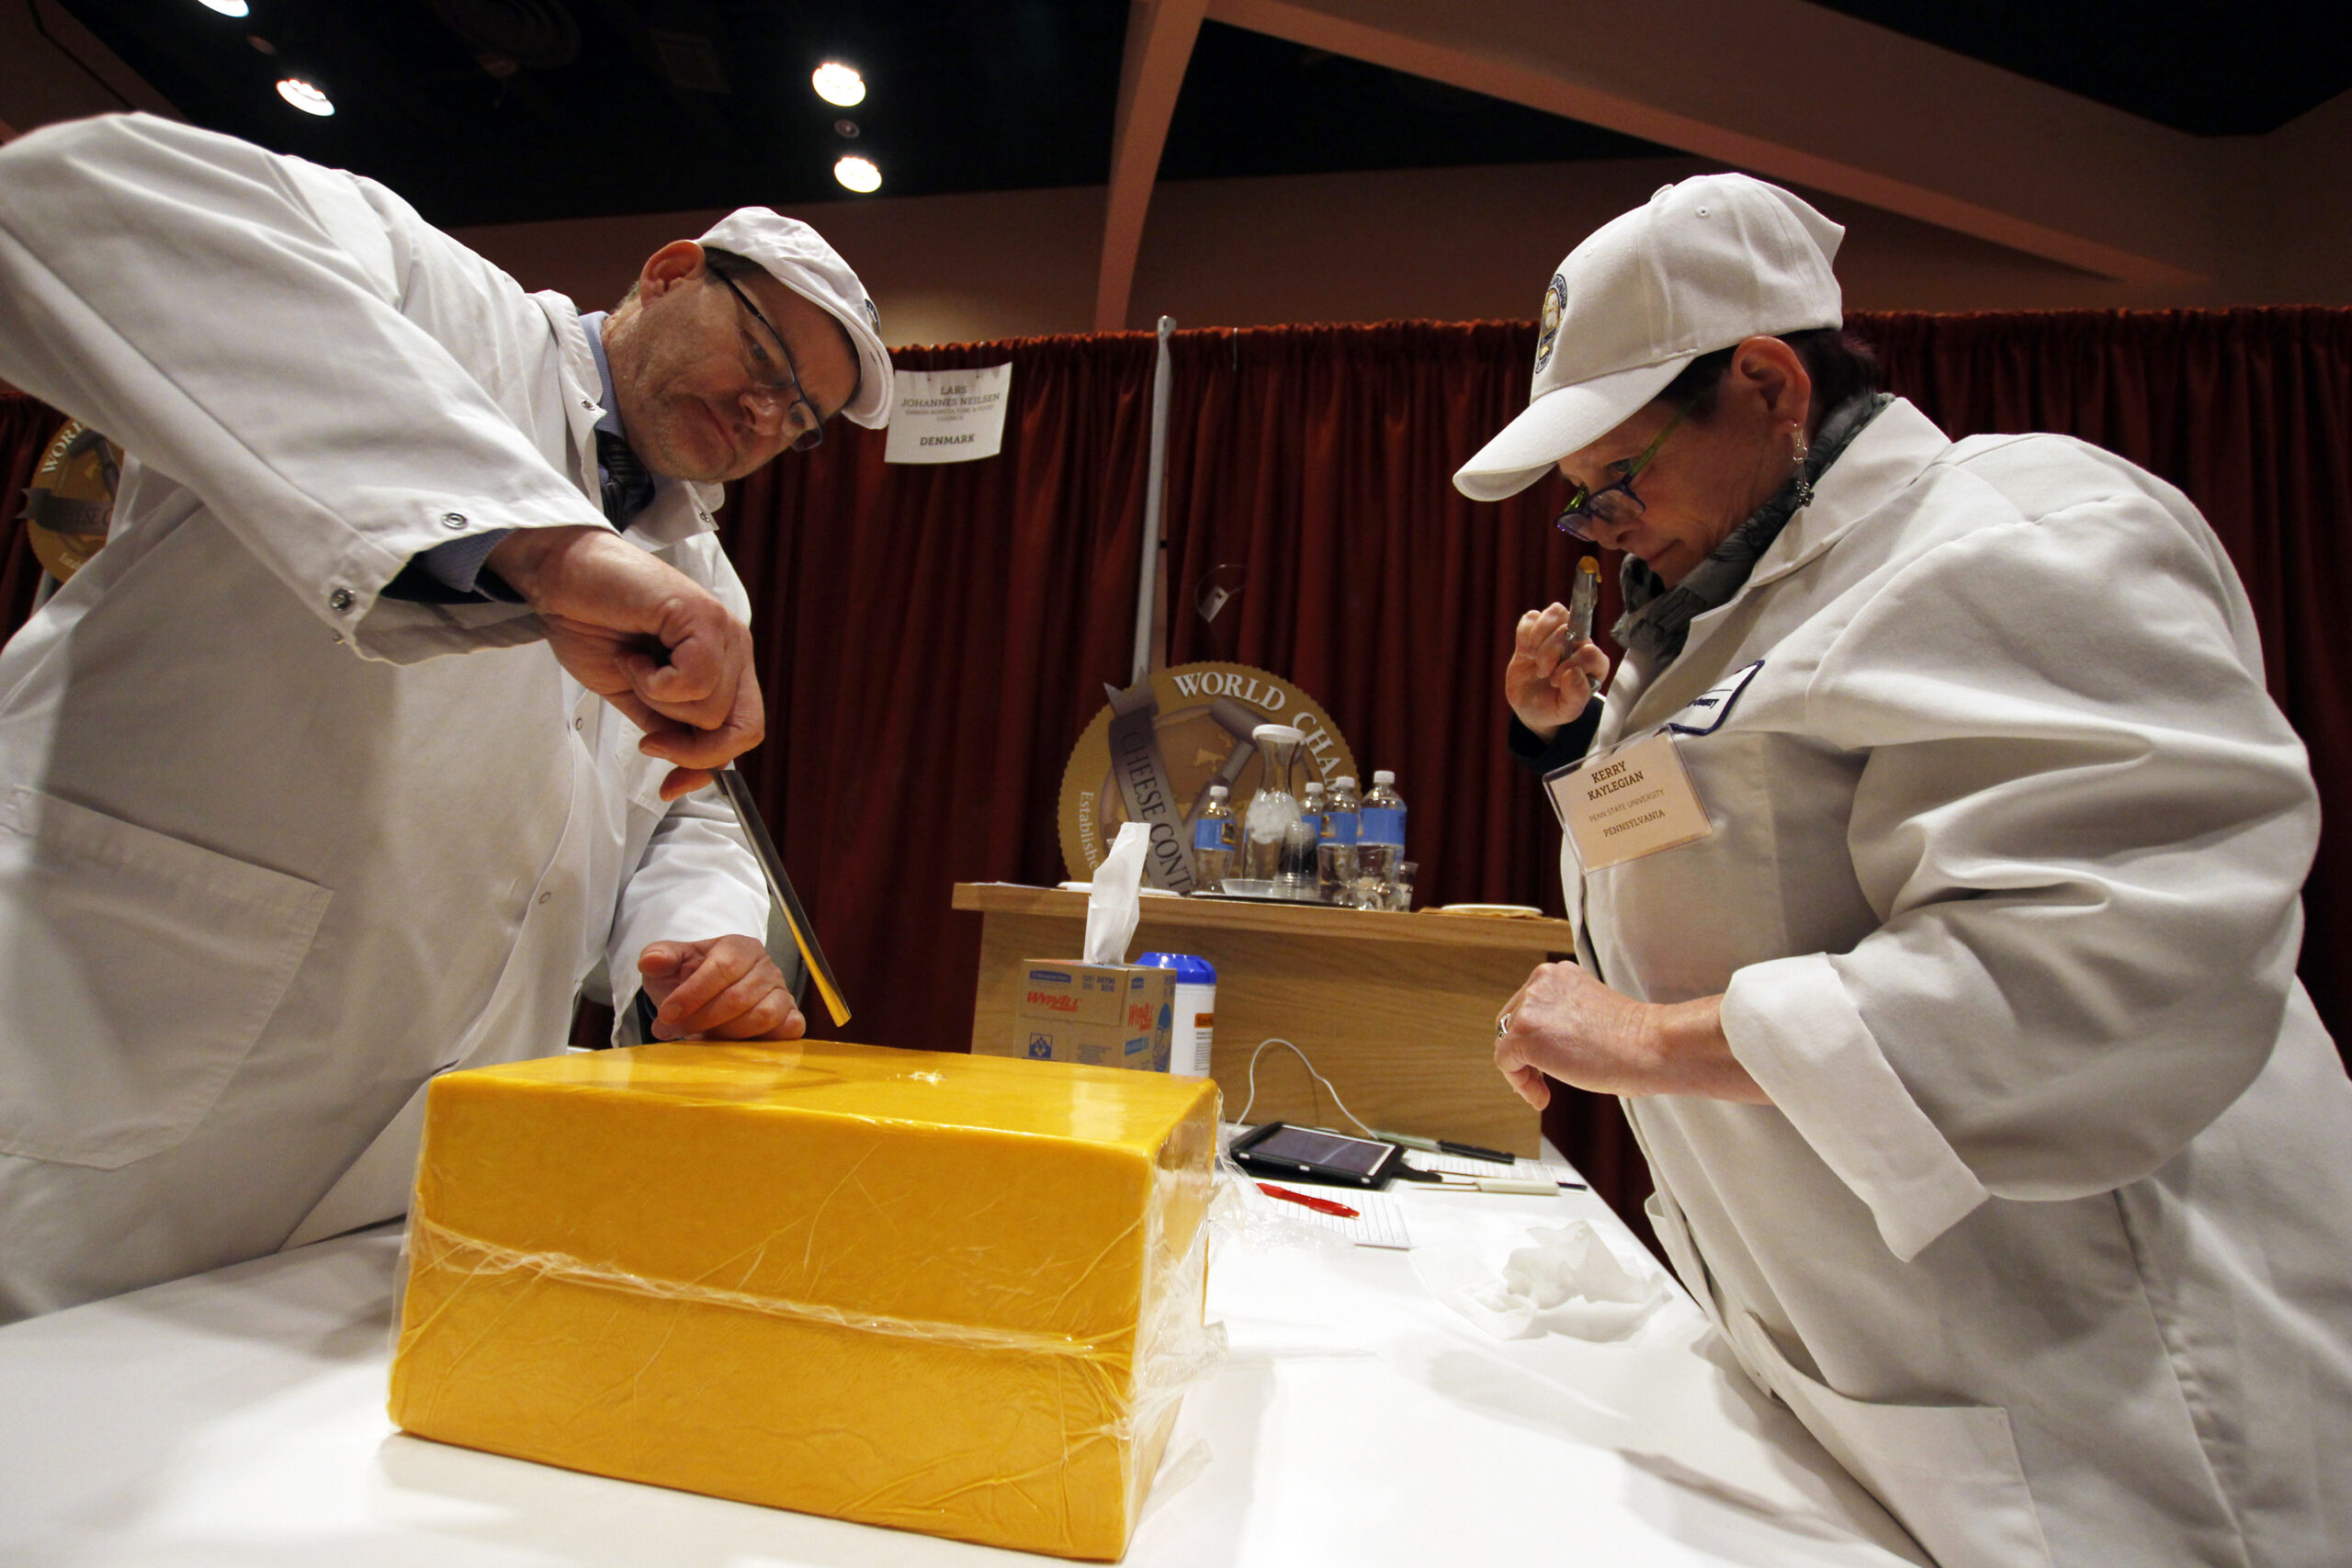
(1320, 1205)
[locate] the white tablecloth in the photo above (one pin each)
(237, 1420)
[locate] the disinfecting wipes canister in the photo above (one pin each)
(1196, 1008)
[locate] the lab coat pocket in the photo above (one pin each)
(1949, 1472)
(143, 968)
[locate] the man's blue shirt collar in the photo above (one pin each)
(594, 323)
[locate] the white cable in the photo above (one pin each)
(1243, 1119)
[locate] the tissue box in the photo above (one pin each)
(1101, 1015)
(940, 1293)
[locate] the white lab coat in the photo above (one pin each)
(266, 864)
(2047, 1234)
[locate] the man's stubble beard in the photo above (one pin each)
(662, 454)
(658, 417)
(637, 375)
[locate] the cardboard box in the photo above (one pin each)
(947, 1294)
(1099, 1015)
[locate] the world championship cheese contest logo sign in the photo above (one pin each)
(1151, 756)
(70, 499)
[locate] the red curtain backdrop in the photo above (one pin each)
(933, 638)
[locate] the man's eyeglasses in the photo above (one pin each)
(1616, 504)
(800, 417)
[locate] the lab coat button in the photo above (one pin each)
(578, 724)
(341, 599)
(453, 519)
(545, 897)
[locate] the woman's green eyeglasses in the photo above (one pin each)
(1616, 504)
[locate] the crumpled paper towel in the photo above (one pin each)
(1567, 1282)
(1112, 905)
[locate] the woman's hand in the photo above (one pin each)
(1565, 1024)
(1545, 683)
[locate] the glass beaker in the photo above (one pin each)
(1275, 805)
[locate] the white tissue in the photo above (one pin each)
(1112, 905)
(1567, 1282)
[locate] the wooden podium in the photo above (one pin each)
(1396, 1011)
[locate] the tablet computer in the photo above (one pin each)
(1308, 1154)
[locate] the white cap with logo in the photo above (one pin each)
(797, 256)
(1710, 261)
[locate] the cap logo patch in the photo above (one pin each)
(873, 316)
(1555, 305)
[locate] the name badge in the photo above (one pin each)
(1706, 713)
(1628, 803)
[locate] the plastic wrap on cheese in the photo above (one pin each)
(955, 1295)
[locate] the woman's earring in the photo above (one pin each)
(1804, 485)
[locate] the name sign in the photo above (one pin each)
(949, 416)
(1628, 803)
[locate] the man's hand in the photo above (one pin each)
(1545, 683)
(648, 639)
(723, 989)
(1566, 1024)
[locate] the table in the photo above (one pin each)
(237, 1420)
(1396, 1010)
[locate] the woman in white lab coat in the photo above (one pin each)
(267, 863)
(1988, 1119)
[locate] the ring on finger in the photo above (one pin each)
(1502, 1023)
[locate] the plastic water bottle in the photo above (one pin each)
(1335, 851)
(1294, 875)
(1213, 835)
(1195, 1011)
(1310, 837)
(1380, 835)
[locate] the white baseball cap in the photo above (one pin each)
(797, 256)
(1708, 263)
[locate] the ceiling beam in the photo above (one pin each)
(1160, 34)
(1800, 93)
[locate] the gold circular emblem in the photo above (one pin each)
(71, 498)
(1555, 305)
(1153, 753)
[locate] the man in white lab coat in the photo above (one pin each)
(368, 740)
(1937, 871)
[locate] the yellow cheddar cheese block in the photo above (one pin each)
(955, 1295)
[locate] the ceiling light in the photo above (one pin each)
(837, 84)
(228, 8)
(304, 96)
(858, 174)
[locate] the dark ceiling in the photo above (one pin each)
(1254, 105)
(508, 110)
(2209, 67)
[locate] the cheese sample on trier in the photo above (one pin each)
(957, 1295)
